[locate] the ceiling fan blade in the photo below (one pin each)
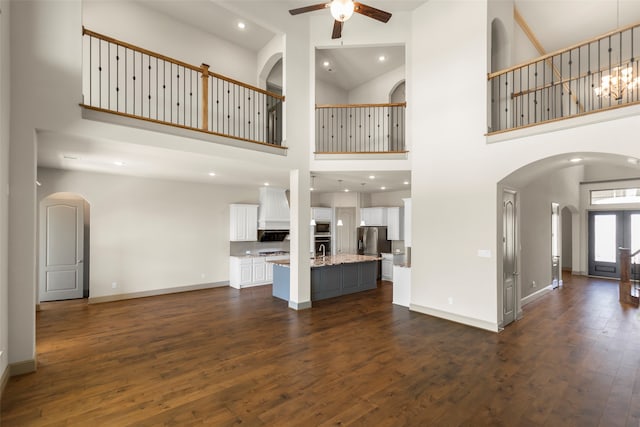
(371, 12)
(337, 29)
(312, 8)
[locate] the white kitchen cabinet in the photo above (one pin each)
(252, 271)
(321, 214)
(387, 267)
(374, 217)
(243, 223)
(407, 222)
(259, 271)
(395, 223)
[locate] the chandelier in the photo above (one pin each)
(615, 84)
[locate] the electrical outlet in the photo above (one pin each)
(114, 285)
(450, 300)
(533, 284)
(202, 276)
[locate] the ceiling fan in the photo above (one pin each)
(341, 10)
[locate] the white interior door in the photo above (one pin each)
(509, 257)
(61, 249)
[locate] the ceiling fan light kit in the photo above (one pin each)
(342, 10)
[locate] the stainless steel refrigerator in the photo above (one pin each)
(373, 241)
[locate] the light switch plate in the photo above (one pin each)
(484, 253)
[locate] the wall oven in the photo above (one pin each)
(322, 240)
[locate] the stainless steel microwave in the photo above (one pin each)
(323, 227)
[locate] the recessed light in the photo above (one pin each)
(266, 184)
(382, 58)
(406, 183)
(212, 174)
(241, 25)
(119, 163)
(372, 177)
(575, 160)
(346, 190)
(633, 161)
(325, 64)
(311, 189)
(383, 188)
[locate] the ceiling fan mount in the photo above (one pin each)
(342, 10)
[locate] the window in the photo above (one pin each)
(616, 196)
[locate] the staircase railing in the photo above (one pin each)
(629, 290)
(595, 75)
(360, 128)
(131, 81)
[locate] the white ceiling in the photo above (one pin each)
(329, 182)
(93, 155)
(351, 67)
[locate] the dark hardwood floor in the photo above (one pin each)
(224, 357)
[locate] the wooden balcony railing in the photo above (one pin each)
(130, 81)
(592, 76)
(360, 128)
(629, 289)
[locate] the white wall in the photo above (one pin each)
(562, 187)
(327, 93)
(146, 28)
(605, 172)
(390, 198)
(4, 183)
(378, 90)
(151, 234)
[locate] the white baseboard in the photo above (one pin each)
(300, 305)
(24, 367)
(469, 321)
(537, 295)
(156, 292)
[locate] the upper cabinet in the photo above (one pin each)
(374, 217)
(243, 223)
(407, 222)
(395, 223)
(321, 214)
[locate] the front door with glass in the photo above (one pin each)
(608, 231)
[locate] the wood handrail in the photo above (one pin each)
(396, 104)
(561, 51)
(176, 62)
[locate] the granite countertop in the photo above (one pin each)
(335, 260)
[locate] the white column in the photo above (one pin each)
(300, 201)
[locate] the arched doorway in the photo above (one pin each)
(541, 185)
(63, 247)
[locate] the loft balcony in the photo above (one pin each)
(597, 75)
(150, 90)
(360, 129)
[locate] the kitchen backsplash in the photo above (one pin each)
(241, 248)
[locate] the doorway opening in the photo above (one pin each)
(608, 231)
(63, 247)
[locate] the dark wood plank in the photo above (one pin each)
(225, 357)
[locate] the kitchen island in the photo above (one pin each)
(331, 276)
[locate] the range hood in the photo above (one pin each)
(273, 213)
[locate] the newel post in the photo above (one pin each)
(625, 264)
(204, 70)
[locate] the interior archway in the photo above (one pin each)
(560, 180)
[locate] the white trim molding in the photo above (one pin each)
(156, 292)
(24, 367)
(537, 295)
(469, 321)
(299, 305)
(4, 379)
